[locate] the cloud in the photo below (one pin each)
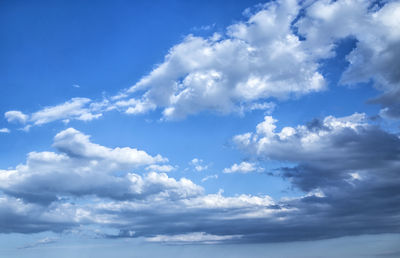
(160, 168)
(84, 168)
(76, 144)
(17, 216)
(276, 53)
(375, 29)
(40, 242)
(4, 130)
(195, 237)
(16, 116)
(82, 109)
(209, 177)
(198, 164)
(348, 164)
(257, 59)
(346, 168)
(390, 104)
(72, 109)
(244, 167)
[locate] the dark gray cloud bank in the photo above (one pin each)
(347, 168)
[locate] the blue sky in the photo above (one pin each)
(205, 128)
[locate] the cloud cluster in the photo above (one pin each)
(347, 168)
(276, 53)
(198, 164)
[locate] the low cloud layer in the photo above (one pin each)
(346, 167)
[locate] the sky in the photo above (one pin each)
(199, 128)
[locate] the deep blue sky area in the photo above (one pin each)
(199, 128)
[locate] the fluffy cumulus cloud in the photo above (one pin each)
(377, 52)
(276, 53)
(257, 59)
(15, 116)
(81, 168)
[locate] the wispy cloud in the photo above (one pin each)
(41, 242)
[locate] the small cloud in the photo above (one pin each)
(244, 167)
(195, 237)
(16, 116)
(160, 168)
(25, 128)
(198, 164)
(76, 86)
(209, 177)
(40, 242)
(4, 130)
(204, 27)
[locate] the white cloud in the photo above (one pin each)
(257, 59)
(194, 237)
(209, 177)
(4, 130)
(304, 141)
(198, 164)
(77, 144)
(75, 109)
(85, 168)
(16, 116)
(214, 201)
(244, 167)
(160, 168)
(72, 109)
(376, 30)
